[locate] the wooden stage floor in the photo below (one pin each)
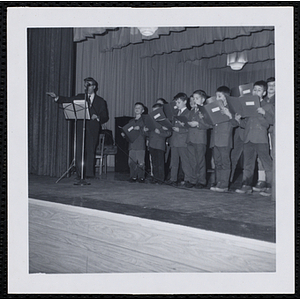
(250, 216)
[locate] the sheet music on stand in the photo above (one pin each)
(81, 107)
(69, 111)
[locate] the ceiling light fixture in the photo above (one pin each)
(237, 60)
(147, 31)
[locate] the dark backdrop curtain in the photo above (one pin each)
(50, 68)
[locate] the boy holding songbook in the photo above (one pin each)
(137, 145)
(256, 142)
(221, 142)
(157, 147)
(178, 144)
(197, 139)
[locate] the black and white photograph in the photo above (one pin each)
(145, 152)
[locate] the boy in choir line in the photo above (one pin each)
(136, 159)
(157, 148)
(221, 142)
(269, 98)
(256, 142)
(197, 140)
(178, 145)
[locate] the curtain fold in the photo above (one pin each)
(119, 37)
(50, 69)
(258, 40)
(174, 39)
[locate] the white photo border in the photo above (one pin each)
(20, 281)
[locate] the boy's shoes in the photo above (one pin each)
(141, 180)
(188, 184)
(132, 180)
(220, 190)
(267, 192)
(199, 186)
(260, 186)
(246, 189)
(171, 183)
(213, 188)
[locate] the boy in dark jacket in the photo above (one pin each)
(157, 148)
(197, 140)
(256, 143)
(136, 160)
(221, 142)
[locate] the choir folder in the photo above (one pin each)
(150, 123)
(182, 119)
(245, 106)
(159, 116)
(130, 133)
(170, 110)
(212, 113)
(246, 89)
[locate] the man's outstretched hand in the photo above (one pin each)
(51, 94)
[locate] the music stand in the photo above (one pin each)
(70, 114)
(82, 112)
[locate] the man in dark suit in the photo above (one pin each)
(98, 115)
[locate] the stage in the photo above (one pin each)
(234, 223)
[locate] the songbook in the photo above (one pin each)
(182, 119)
(165, 123)
(235, 105)
(82, 109)
(212, 113)
(245, 106)
(246, 89)
(150, 123)
(69, 111)
(159, 116)
(130, 134)
(170, 110)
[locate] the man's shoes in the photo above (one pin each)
(260, 186)
(141, 180)
(221, 190)
(246, 189)
(132, 180)
(267, 192)
(171, 183)
(188, 184)
(199, 186)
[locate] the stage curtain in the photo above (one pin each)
(125, 76)
(50, 68)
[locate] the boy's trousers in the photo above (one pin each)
(222, 165)
(136, 162)
(197, 162)
(158, 163)
(182, 154)
(251, 151)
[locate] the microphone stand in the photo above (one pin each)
(82, 181)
